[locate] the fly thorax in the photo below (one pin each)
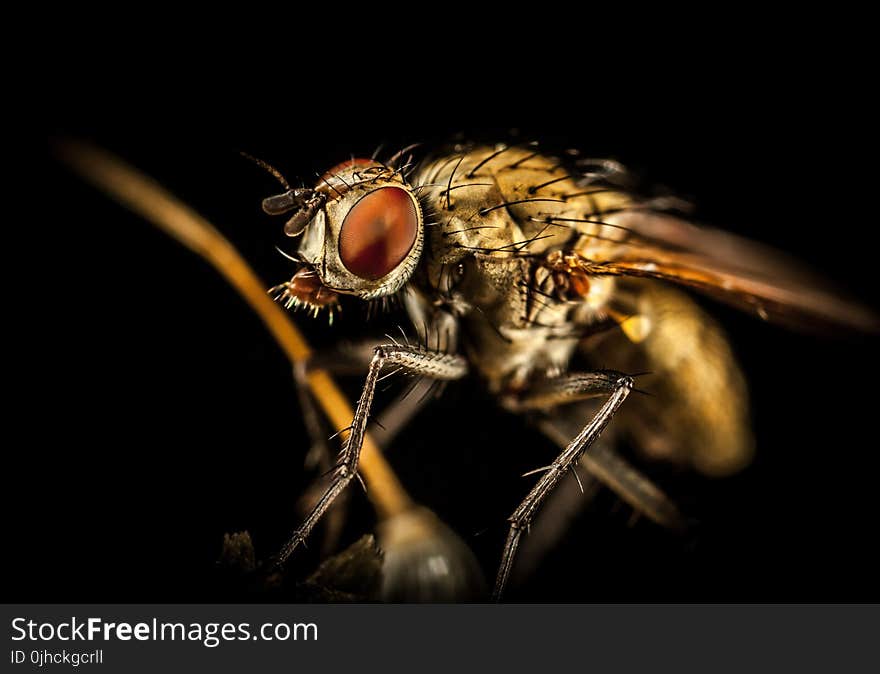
(496, 215)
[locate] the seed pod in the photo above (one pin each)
(425, 561)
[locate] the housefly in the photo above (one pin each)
(512, 265)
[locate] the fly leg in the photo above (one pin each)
(436, 329)
(616, 473)
(573, 387)
(434, 364)
(346, 360)
(354, 359)
(601, 466)
(319, 457)
(340, 360)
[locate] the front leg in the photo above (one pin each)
(618, 386)
(354, 359)
(350, 359)
(434, 364)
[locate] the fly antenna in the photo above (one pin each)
(268, 167)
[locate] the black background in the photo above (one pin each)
(167, 416)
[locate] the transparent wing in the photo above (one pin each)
(728, 268)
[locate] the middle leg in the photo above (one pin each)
(617, 386)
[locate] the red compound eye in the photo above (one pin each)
(378, 232)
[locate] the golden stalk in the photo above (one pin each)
(147, 198)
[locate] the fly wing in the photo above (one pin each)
(728, 268)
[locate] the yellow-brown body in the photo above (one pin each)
(504, 228)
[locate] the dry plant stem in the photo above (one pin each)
(147, 198)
